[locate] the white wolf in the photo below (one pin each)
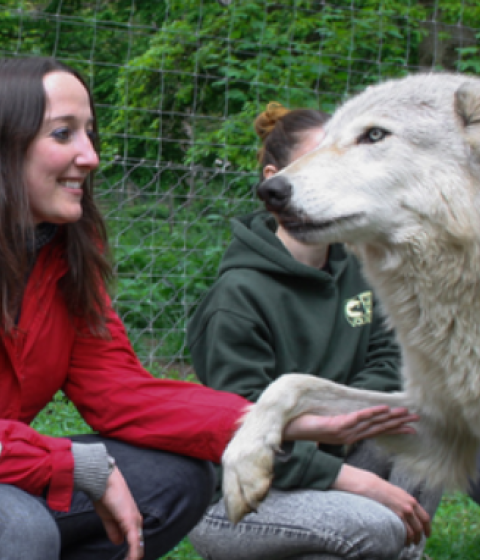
(397, 178)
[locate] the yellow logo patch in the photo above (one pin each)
(358, 310)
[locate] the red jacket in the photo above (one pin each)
(104, 379)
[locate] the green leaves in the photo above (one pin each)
(208, 71)
(164, 268)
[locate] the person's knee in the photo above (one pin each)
(27, 530)
(367, 530)
(179, 495)
(214, 538)
(30, 539)
(388, 538)
(194, 488)
(199, 484)
(200, 543)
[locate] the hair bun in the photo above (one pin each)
(266, 121)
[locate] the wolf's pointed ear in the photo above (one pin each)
(467, 107)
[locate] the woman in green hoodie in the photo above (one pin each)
(279, 306)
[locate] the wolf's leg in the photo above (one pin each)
(248, 459)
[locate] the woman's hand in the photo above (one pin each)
(346, 429)
(364, 483)
(120, 515)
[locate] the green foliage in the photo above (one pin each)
(470, 58)
(60, 418)
(209, 71)
(164, 268)
(183, 551)
(456, 530)
(183, 80)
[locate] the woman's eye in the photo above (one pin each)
(61, 134)
(372, 135)
(92, 135)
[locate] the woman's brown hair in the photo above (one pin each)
(22, 110)
(281, 130)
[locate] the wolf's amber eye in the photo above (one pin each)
(372, 135)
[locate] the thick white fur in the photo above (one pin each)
(409, 207)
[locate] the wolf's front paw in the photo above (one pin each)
(247, 474)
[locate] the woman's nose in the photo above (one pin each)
(87, 155)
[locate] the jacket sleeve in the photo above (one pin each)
(232, 351)
(118, 398)
(381, 366)
(36, 463)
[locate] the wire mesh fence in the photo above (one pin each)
(177, 84)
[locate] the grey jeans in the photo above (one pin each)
(316, 525)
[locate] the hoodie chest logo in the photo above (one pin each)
(358, 310)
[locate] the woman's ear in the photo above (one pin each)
(269, 171)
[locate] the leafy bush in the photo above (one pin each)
(164, 268)
(227, 64)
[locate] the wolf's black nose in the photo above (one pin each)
(275, 192)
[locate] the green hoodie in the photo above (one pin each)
(267, 314)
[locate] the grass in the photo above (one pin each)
(456, 527)
(183, 551)
(456, 530)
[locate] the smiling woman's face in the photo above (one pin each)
(62, 154)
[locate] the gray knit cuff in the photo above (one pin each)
(91, 471)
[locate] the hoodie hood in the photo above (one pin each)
(255, 246)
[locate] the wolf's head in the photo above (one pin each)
(397, 161)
